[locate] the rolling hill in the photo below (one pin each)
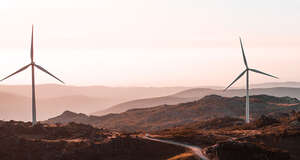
(165, 116)
(16, 107)
(143, 103)
(195, 94)
(54, 99)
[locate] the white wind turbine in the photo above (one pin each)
(247, 80)
(32, 64)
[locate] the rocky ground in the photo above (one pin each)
(21, 141)
(212, 123)
(272, 137)
(267, 138)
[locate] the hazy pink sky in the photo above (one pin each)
(150, 42)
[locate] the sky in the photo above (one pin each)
(150, 42)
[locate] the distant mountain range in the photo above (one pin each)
(165, 116)
(195, 94)
(54, 99)
(15, 107)
(54, 91)
(290, 84)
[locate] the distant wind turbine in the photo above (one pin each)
(247, 80)
(32, 64)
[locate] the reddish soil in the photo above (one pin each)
(263, 139)
(21, 141)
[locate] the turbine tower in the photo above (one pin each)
(33, 65)
(247, 80)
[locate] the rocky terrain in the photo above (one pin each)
(22, 141)
(266, 138)
(213, 123)
(166, 116)
(226, 138)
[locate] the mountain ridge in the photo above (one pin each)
(194, 94)
(52, 99)
(165, 116)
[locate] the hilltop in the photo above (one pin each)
(195, 94)
(166, 116)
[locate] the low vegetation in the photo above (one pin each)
(168, 116)
(229, 138)
(22, 141)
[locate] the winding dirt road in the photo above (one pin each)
(197, 150)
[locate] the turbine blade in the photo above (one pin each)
(257, 71)
(236, 79)
(31, 49)
(44, 70)
(20, 70)
(244, 56)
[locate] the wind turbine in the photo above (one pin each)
(32, 64)
(247, 80)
